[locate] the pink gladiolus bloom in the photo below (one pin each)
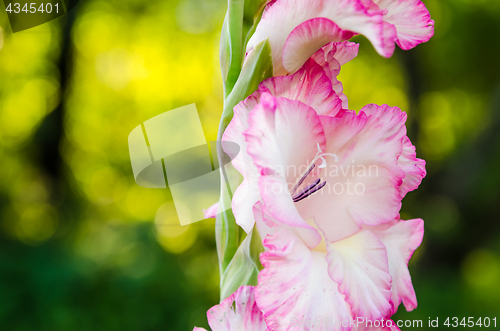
(239, 312)
(296, 29)
(325, 191)
(315, 85)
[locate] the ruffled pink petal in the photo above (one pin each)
(375, 150)
(311, 85)
(325, 57)
(359, 265)
(363, 186)
(339, 89)
(308, 37)
(401, 238)
(237, 312)
(412, 21)
(294, 286)
(199, 329)
(267, 225)
(235, 129)
(345, 51)
(331, 57)
(413, 167)
(282, 135)
(283, 16)
(385, 125)
(244, 199)
(370, 6)
(334, 55)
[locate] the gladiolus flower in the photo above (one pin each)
(296, 29)
(329, 189)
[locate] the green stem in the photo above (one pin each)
(257, 68)
(235, 32)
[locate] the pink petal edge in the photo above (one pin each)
(307, 38)
(294, 286)
(360, 266)
(401, 239)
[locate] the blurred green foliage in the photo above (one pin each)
(82, 247)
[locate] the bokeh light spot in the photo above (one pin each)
(37, 223)
(481, 269)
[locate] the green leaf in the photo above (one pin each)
(227, 238)
(227, 232)
(245, 265)
(258, 67)
(225, 53)
(232, 35)
(240, 23)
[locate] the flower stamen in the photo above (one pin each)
(310, 189)
(317, 185)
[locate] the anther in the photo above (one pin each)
(314, 189)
